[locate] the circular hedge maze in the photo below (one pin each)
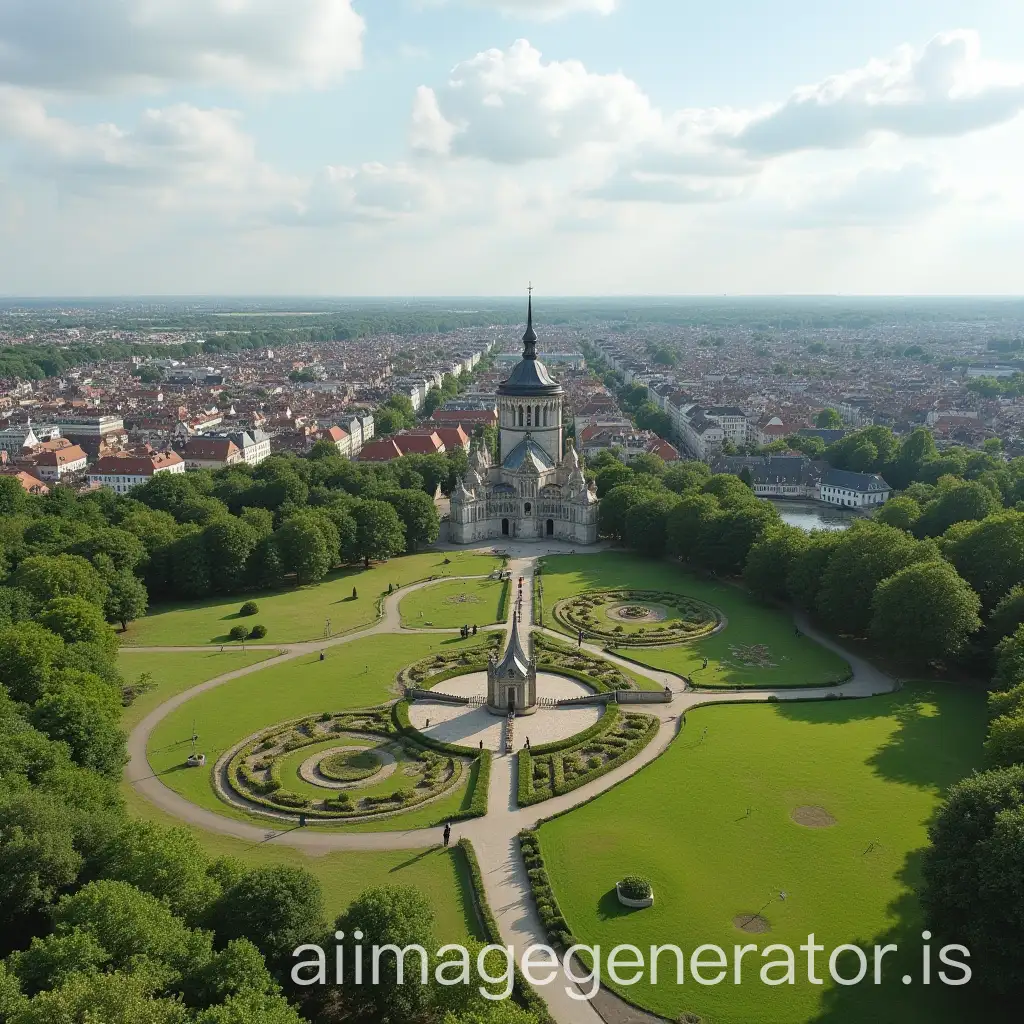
(637, 617)
(347, 766)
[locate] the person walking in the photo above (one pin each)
(447, 832)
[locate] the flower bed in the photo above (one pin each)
(643, 618)
(564, 659)
(560, 768)
(254, 770)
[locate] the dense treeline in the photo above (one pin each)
(112, 920)
(287, 521)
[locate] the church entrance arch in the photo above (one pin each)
(551, 527)
(504, 527)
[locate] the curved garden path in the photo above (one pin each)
(493, 836)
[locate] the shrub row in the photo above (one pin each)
(550, 914)
(503, 601)
(635, 741)
(524, 994)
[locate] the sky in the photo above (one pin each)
(466, 147)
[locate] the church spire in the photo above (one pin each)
(530, 337)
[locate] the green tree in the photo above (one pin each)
(76, 620)
(731, 491)
(389, 421)
(38, 854)
(124, 549)
(52, 959)
(902, 513)
(648, 464)
(807, 568)
(82, 719)
(398, 915)
(924, 611)
(828, 419)
(28, 654)
(964, 502)
(687, 520)
(686, 476)
(770, 559)
(611, 513)
(127, 599)
(867, 554)
(418, 514)
(13, 498)
(229, 542)
(1009, 661)
(972, 873)
(45, 577)
(646, 523)
(1004, 746)
(276, 907)
(303, 550)
(988, 554)
(613, 476)
(118, 998)
(168, 863)
(379, 532)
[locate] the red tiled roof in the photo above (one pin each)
(380, 451)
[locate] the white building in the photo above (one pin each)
(14, 440)
(853, 490)
(537, 489)
(127, 470)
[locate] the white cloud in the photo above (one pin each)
(873, 197)
(372, 192)
(115, 44)
(509, 106)
(179, 155)
(642, 187)
(546, 9)
(945, 90)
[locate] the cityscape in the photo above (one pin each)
(511, 512)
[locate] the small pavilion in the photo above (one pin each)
(512, 682)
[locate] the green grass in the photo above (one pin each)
(435, 872)
(353, 675)
(792, 660)
(453, 604)
(878, 766)
(178, 671)
(299, 614)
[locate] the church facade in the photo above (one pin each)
(536, 489)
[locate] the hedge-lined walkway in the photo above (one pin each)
(494, 835)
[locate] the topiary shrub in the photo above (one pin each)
(633, 887)
(249, 608)
(238, 633)
(257, 632)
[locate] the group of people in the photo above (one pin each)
(468, 631)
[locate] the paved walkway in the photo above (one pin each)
(493, 836)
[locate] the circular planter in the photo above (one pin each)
(648, 901)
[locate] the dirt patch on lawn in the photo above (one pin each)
(812, 817)
(752, 924)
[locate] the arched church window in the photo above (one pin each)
(529, 410)
(545, 415)
(520, 415)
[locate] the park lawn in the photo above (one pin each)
(353, 675)
(301, 613)
(709, 824)
(439, 874)
(790, 660)
(454, 603)
(178, 671)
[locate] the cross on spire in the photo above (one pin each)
(530, 337)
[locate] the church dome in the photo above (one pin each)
(530, 377)
(527, 450)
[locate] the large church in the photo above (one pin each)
(537, 488)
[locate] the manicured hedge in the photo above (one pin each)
(503, 603)
(550, 914)
(606, 722)
(524, 994)
(527, 794)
